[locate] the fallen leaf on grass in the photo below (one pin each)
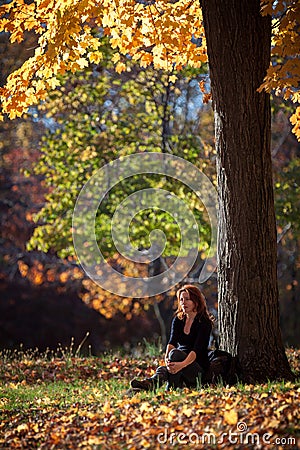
(187, 411)
(231, 417)
(106, 407)
(23, 428)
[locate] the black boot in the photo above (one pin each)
(143, 385)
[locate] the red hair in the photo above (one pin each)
(197, 298)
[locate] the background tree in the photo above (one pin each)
(96, 115)
(285, 156)
(90, 122)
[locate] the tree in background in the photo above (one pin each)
(21, 136)
(96, 115)
(90, 122)
(285, 156)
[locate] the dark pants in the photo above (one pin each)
(185, 377)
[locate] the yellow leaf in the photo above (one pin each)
(187, 411)
(53, 82)
(22, 427)
(144, 444)
(172, 78)
(120, 67)
(47, 72)
(231, 417)
(92, 416)
(82, 62)
(94, 441)
(95, 57)
(170, 413)
(278, 411)
(264, 395)
(106, 407)
(116, 58)
(145, 406)
(139, 419)
(295, 120)
(145, 59)
(273, 423)
(35, 428)
(46, 400)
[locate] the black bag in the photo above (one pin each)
(223, 368)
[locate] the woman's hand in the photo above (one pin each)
(174, 367)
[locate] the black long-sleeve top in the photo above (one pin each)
(197, 340)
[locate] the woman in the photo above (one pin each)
(186, 355)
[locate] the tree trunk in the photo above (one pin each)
(238, 44)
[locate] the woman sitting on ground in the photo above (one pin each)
(186, 355)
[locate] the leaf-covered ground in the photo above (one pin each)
(74, 403)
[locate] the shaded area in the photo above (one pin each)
(40, 317)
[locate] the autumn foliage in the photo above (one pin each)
(161, 33)
(284, 72)
(72, 402)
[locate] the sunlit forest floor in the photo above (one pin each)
(69, 402)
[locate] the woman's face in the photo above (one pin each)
(186, 303)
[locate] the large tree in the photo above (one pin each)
(165, 34)
(96, 115)
(247, 282)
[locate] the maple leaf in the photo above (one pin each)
(231, 417)
(172, 78)
(295, 120)
(173, 33)
(120, 67)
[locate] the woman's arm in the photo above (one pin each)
(174, 367)
(173, 338)
(168, 349)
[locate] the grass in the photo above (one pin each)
(64, 401)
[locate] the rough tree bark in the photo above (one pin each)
(238, 44)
